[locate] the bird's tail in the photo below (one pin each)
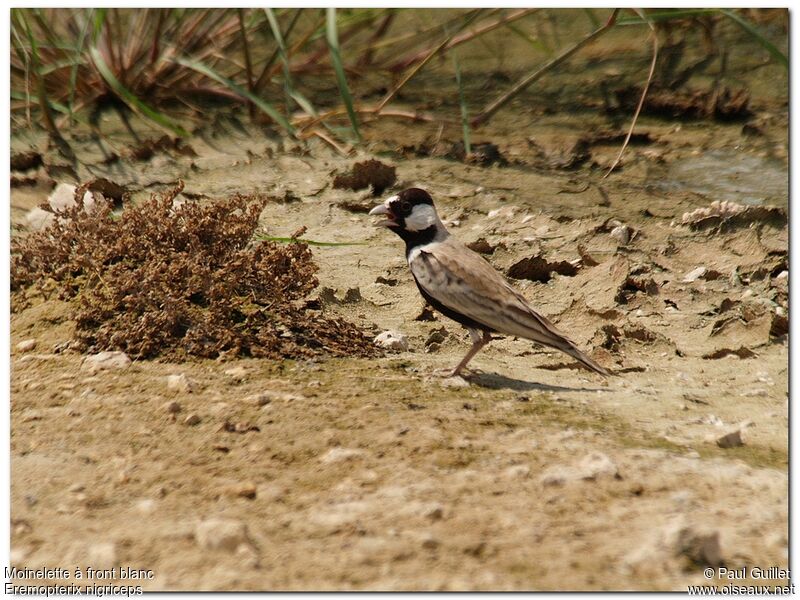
(529, 324)
(567, 347)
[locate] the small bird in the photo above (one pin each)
(462, 285)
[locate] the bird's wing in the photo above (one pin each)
(465, 282)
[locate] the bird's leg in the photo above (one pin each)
(479, 340)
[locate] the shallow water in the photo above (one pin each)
(730, 175)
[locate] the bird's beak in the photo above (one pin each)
(383, 209)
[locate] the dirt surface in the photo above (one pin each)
(362, 474)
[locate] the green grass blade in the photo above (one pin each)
(97, 23)
(239, 90)
(757, 34)
(284, 54)
(304, 103)
(532, 40)
(130, 98)
(290, 240)
(276, 33)
(57, 65)
(34, 99)
(341, 79)
(592, 18)
(268, 66)
(464, 112)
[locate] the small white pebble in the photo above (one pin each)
(392, 340)
(26, 345)
(180, 383)
(694, 274)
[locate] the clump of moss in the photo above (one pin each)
(178, 280)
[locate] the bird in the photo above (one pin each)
(462, 285)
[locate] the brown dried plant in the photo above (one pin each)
(177, 280)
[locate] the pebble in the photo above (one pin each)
(172, 407)
(503, 211)
(269, 396)
(591, 467)
(105, 361)
(700, 547)
(764, 377)
(245, 489)
(597, 464)
(221, 534)
(731, 440)
(694, 274)
(237, 373)
(335, 455)
(556, 476)
(192, 420)
(180, 383)
(712, 420)
(436, 337)
(517, 472)
(430, 543)
(31, 414)
(682, 498)
(26, 345)
(38, 218)
(435, 512)
(146, 506)
(454, 382)
(622, 234)
(63, 197)
(102, 555)
(17, 556)
(392, 340)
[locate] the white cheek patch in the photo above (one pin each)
(421, 217)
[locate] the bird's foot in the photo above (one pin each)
(463, 373)
(445, 373)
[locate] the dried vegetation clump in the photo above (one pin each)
(179, 280)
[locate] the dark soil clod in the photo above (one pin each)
(742, 352)
(633, 285)
(25, 161)
(721, 104)
(482, 246)
(537, 268)
(483, 154)
(166, 144)
(370, 173)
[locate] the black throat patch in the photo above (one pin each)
(415, 238)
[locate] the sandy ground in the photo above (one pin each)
(353, 474)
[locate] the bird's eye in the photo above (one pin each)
(405, 207)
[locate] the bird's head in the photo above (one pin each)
(409, 213)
